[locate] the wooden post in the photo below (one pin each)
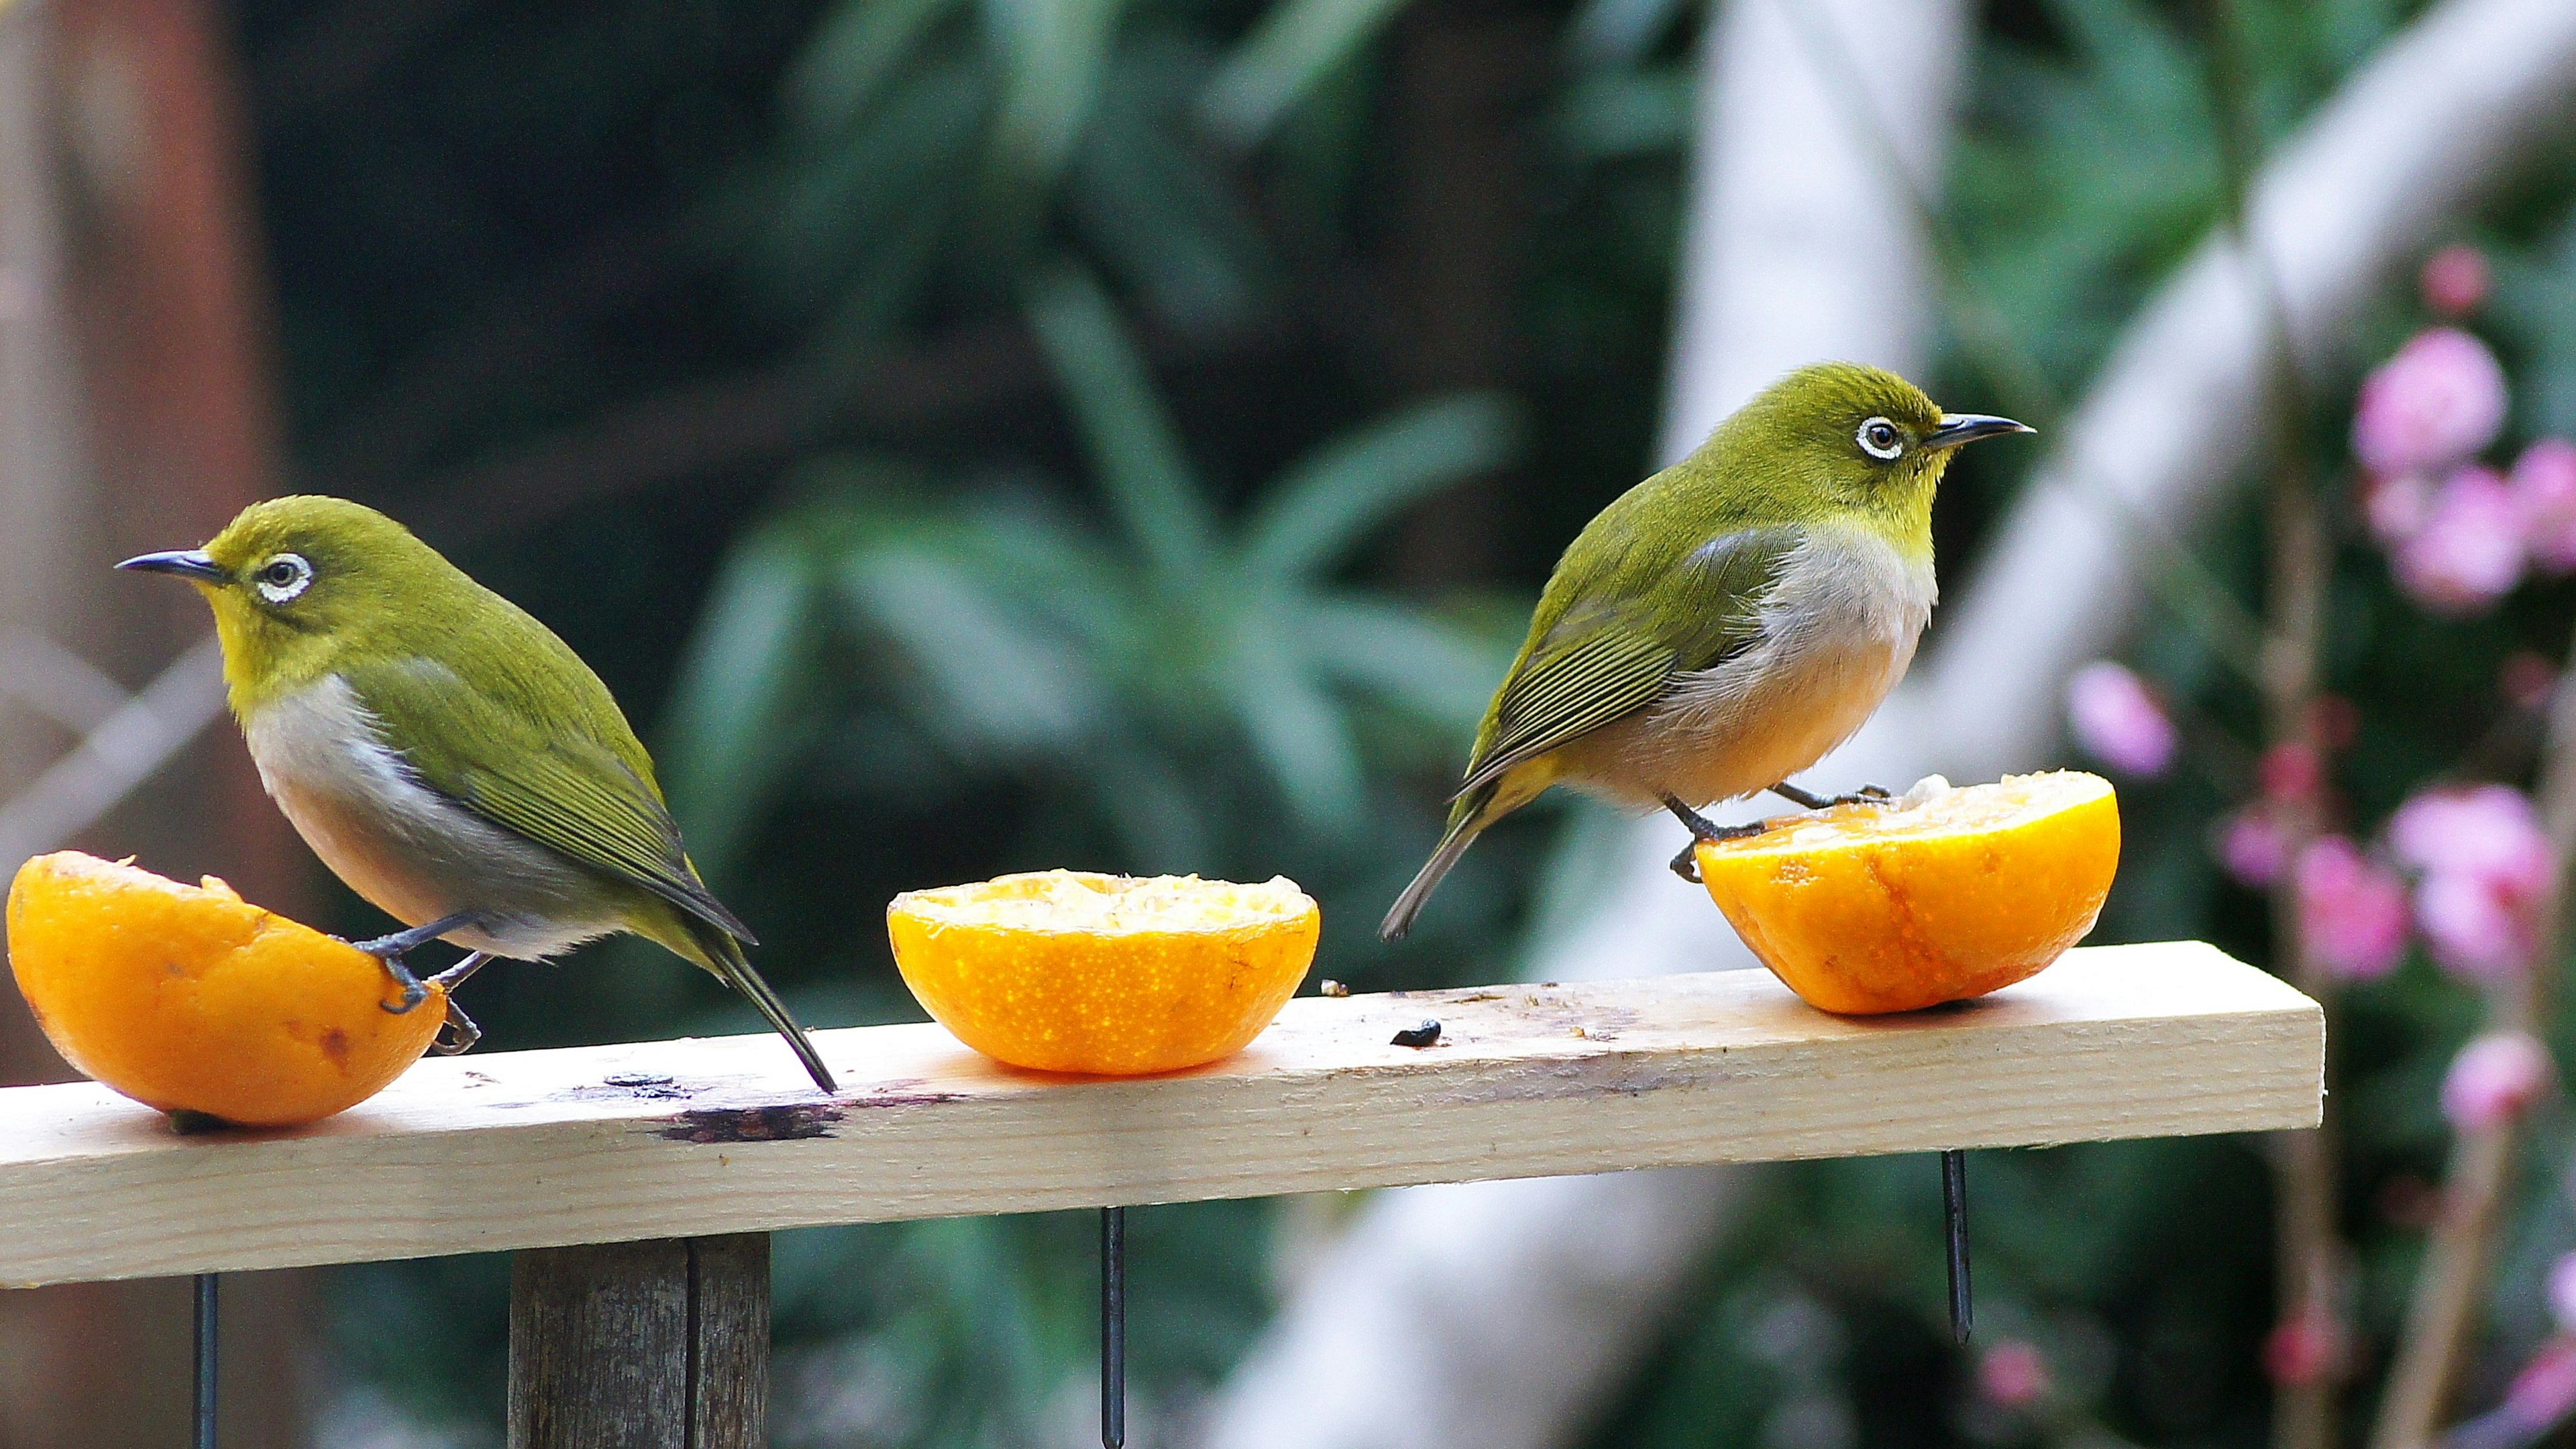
(653, 1345)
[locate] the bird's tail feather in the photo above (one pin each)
(735, 968)
(1466, 821)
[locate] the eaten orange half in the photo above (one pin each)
(188, 998)
(1938, 896)
(1067, 971)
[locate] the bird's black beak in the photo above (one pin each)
(1957, 428)
(187, 563)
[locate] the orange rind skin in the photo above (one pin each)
(1123, 1003)
(1861, 911)
(189, 999)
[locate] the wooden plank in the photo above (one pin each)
(662, 1139)
(661, 1344)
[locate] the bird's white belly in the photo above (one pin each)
(408, 850)
(1839, 629)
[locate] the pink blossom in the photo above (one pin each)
(2118, 721)
(2562, 1292)
(2397, 506)
(2489, 832)
(2469, 552)
(2544, 491)
(2471, 929)
(2290, 772)
(2493, 1079)
(2352, 910)
(2301, 1350)
(2439, 401)
(2012, 1373)
(2545, 1391)
(2486, 865)
(2455, 280)
(2253, 848)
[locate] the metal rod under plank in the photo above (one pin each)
(1954, 1219)
(204, 1429)
(1113, 1328)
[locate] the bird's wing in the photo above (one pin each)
(1603, 660)
(544, 779)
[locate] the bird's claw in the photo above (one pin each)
(391, 949)
(1867, 792)
(413, 993)
(457, 1035)
(1686, 864)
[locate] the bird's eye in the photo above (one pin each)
(1881, 439)
(283, 577)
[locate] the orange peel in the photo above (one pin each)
(1941, 895)
(190, 999)
(1070, 971)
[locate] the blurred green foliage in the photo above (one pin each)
(988, 436)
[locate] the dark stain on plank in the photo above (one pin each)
(780, 1122)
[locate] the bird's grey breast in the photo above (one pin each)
(404, 846)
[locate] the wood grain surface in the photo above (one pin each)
(662, 1344)
(695, 1137)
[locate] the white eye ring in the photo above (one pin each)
(282, 578)
(1880, 439)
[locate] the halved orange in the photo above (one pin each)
(188, 998)
(1941, 895)
(1068, 971)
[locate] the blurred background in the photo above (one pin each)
(979, 435)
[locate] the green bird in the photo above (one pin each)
(447, 756)
(1723, 624)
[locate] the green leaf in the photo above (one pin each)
(1295, 47)
(740, 686)
(1146, 801)
(1327, 502)
(1130, 437)
(851, 53)
(1437, 670)
(1608, 33)
(1626, 113)
(1294, 725)
(1002, 683)
(851, 199)
(1053, 53)
(1164, 219)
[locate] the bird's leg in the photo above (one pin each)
(1686, 864)
(1809, 800)
(464, 1032)
(391, 950)
(462, 972)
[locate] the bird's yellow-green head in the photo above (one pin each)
(300, 583)
(1838, 439)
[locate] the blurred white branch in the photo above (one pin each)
(138, 737)
(55, 682)
(1498, 1315)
